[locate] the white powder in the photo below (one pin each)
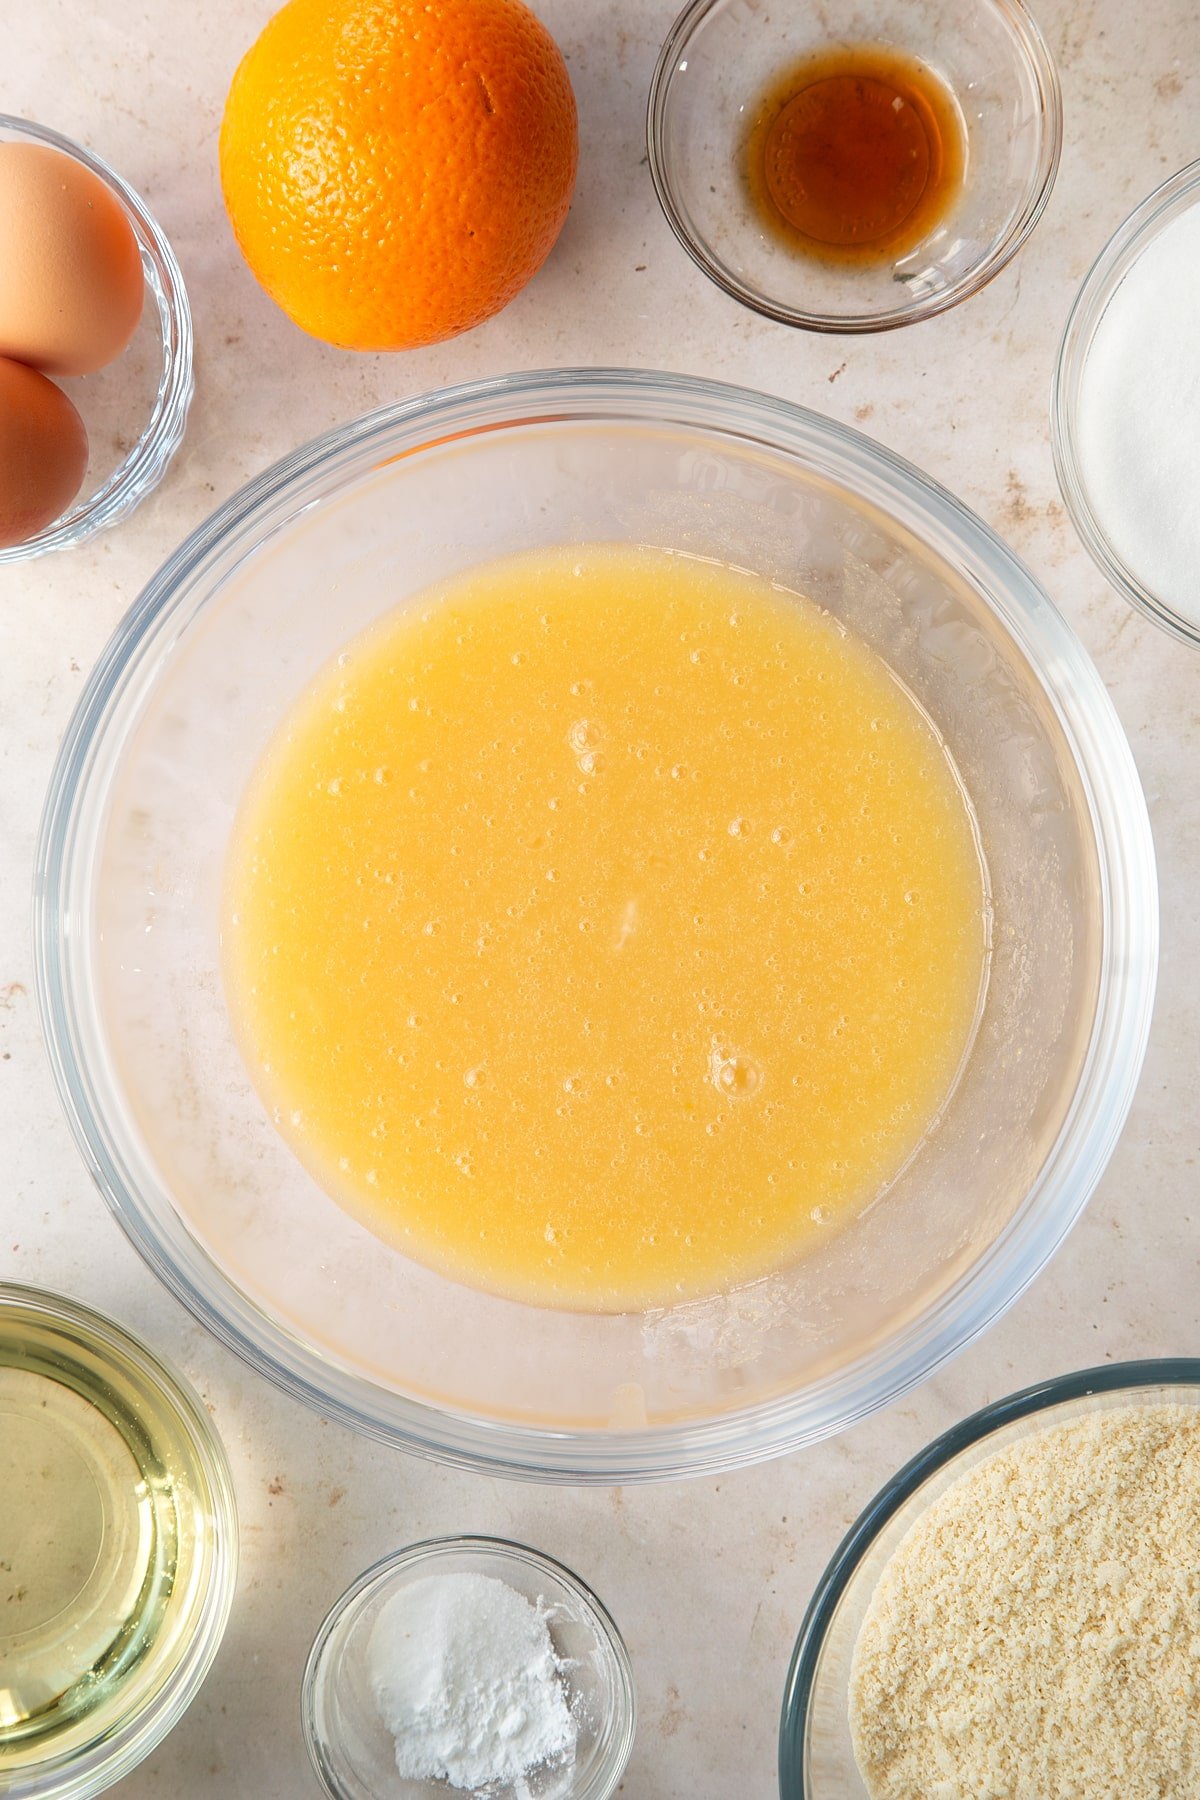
(1036, 1634)
(1139, 417)
(465, 1677)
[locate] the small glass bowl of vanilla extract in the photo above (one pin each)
(854, 167)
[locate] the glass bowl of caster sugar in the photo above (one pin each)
(1126, 408)
(1014, 1613)
(469, 1666)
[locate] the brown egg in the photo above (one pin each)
(43, 453)
(71, 284)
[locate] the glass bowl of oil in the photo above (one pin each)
(854, 167)
(118, 1548)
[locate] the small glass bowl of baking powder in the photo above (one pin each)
(816, 1746)
(1123, 421)
(353, 1751)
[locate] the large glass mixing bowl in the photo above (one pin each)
(177, 714)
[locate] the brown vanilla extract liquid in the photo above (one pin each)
(856, 154)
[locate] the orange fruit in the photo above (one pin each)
(396, 170)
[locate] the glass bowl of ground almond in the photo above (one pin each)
(1014, 1611)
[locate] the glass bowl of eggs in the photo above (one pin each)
(95, 344)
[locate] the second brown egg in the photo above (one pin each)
(43, 453)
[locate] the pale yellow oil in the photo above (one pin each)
(101, 1522)
(606, 927)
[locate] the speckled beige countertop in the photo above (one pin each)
(708, 1579)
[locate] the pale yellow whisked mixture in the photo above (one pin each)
(606, 927)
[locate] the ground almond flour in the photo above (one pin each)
(1036, 1635)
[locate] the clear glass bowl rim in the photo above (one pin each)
(1128, 894)
(430, 1550)
(1173, 197)
(1109, 1378)
(1042, 67)
(94, 1767)
(146, 464)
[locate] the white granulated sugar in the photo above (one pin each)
(1139, 417)
(464, 1675)
(1036, 1634)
